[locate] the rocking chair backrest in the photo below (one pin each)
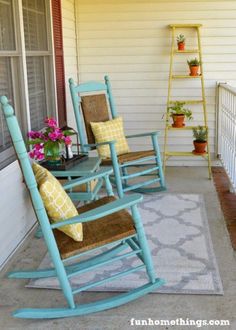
(31, 184)
(95, 107)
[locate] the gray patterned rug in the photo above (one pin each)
(178, 234)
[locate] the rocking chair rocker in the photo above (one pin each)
(106, 223)
(95, 109)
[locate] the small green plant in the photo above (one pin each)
(194, 62)
(178, 109)
(200, 133)
(180, 38)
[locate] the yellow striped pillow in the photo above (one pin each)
(108, 131)
(56, 201)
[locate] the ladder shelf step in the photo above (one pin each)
(187, 101)
(185, 25)
(184, 128)
(186, 51)
(184, 153)
(185, 77)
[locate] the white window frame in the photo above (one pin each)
(19, 74)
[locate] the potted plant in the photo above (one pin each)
(181, 41)
(46, 143)
(200, 142)
(194, 66)
(179, 113)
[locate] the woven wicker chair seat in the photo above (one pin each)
(96, 233)
(130, 156)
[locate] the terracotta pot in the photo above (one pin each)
(178, 121)
(199, 147)
(181, 45)
(194, 70)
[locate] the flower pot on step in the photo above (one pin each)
(181, 45)
(199, 147)
(178, 121)
(194, 70)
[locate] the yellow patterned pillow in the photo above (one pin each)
(57, 203)
(108, 131)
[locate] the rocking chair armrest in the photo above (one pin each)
(92, 145)
(101, 211)
(142, 135)
(87, 178)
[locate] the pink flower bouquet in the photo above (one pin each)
(46, 144)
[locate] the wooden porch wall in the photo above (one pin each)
(129, 41)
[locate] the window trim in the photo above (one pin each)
(56, 15)
(18, 59)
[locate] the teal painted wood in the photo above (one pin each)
(138, 162)
(108, 186)
(111, 278)
(146, 255)
(76, 104)
(139, 185)
(134, 245)
(87, 178)
(109, 245)
(125, 173)
(50, 272)
(110, 97)
(158, 160)
(94, 307)
(43, 273)
(90, 87)
(86, 167)
(80, 267)
(121, 179)
(107, 255)
(142, 135)
(64, 272)
(87, 196)
(141, 164)
(116, 170)
(115, 164)
(101, 211)
(99, 264)
(135, 175)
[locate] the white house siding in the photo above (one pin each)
(17, 216)
(130, 41)
(70, 52)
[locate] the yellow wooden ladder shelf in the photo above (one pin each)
(170, 101)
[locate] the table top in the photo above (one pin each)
(90, 165)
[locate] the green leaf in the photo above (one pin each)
(68, 133)
(35, 141)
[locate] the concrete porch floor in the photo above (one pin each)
(13, 294)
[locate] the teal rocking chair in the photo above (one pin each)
(95, 108)
(106, 223)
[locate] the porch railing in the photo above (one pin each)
(227, 130)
